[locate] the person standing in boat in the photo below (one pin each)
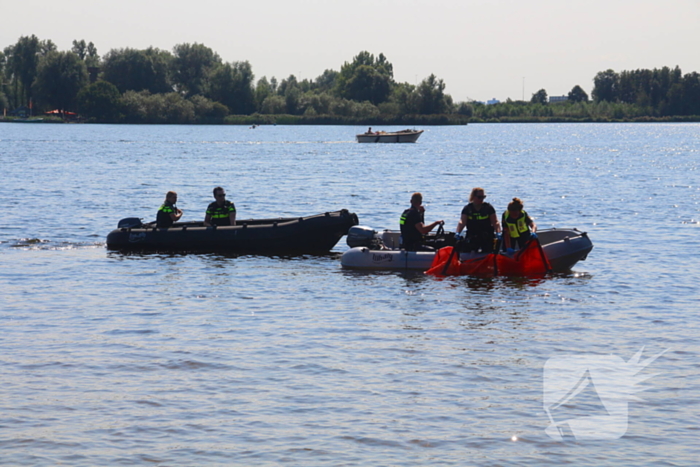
(168, 213)
(221, 212)
(481, 222)
(413, 226)
(518, 227)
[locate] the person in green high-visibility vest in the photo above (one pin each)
(168, 213)
(412, 224)
(221, 212)
(518, 227)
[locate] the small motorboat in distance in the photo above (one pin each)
(371, 250)
(294, 235)
(403, 136)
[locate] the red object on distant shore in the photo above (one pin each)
(59, 112)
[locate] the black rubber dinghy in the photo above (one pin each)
(295, 235)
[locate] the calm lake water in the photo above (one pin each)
(111, 359)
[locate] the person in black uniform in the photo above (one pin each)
(413, 226)
(168, 213)
(221, 212)
(481, 222)
(518, 227)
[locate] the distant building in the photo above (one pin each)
(553, 99)
(493, 101)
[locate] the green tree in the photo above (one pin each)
(320, 103)
(281, 88)
(605, 86)
(465, 108)
(540, 97)
(192, 65)
(61, 75)
(86, 52)
(326, 81)
(24, 62)
(208, 111)
(577, 94)
(47, 46)
(406, 97)
(274, 105)
(292, 99)
(432, 98)
(4, 102)
(262, 91)
(684, 96)
(232, 85)
(100, 102)
(367, 84)
(131, 69)
(144, 107)
(366, 78)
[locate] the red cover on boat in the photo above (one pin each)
(529, 261)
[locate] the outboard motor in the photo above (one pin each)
(130, 223)
(359, 235)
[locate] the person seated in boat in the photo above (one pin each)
(518, 227)
(221, 212)
(413, 226)
(481, 222)
(370, 132)
(168, 213)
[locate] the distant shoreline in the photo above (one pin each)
(268, 120)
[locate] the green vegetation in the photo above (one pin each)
(637, 96)
(192, 84)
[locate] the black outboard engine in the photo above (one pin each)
(130, 223)
(359, 235)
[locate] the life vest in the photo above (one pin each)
(163, 219)
(409, 234)
(402, 219)
(166, 209)
(479, 222)
(220, 214)
(518, 227)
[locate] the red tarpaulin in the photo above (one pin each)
(529, 261)
(59, 112)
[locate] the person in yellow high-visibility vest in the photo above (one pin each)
(518, 227)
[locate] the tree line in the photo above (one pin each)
(662, 94)
(192, 84)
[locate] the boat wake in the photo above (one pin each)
(44, 244)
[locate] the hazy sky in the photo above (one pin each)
(481, 49)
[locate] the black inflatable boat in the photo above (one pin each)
(312, 234)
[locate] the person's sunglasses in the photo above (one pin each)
(480, 196)
(221, 195)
